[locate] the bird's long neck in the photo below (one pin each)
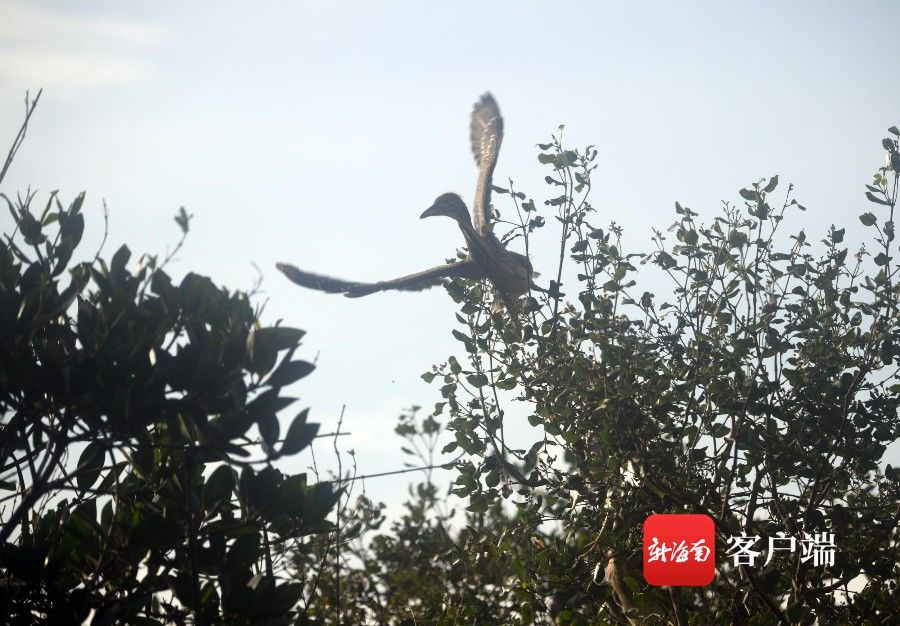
(468, 230)
(485, 249)
(465, 225)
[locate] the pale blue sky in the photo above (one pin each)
(316, 133)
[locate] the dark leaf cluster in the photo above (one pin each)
(140, 420)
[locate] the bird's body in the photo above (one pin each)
(510, 273)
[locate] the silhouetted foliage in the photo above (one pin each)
(134, 487)
(762, 390)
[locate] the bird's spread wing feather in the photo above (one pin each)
(485, 134)
(353, 289)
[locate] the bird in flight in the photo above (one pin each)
(509, 272)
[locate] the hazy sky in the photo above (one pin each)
(316, 133)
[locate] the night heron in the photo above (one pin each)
(510, 273)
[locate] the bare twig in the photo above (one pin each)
(423, 468)
(337, 533)
(20, 136)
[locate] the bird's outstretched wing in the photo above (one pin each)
(412, 282)
(485, 134)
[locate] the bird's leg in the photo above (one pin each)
(498, 303)
(512, 309)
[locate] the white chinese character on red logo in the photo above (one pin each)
(701, 550)
(741, 552)
(678, 552)
(658, 551)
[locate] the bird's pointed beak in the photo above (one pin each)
(431, 211)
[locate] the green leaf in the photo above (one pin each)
(299, 434)
(747, 194)
(89, 464)
(218, 487)
(770, 186)
(120, 258)
(868, 219)
(689, 236)
(461, 337)
(837, 235)
(535, 222)
(477, 503)
(264, 344)
(183, 220)
(873, 198)
(243, 552)
(289, 372)
(665, 260)
(269, 429)
(477, 380)
(737, 238)
(71, 226)
(267, 403)
(63, 254)
(75, 207)
(557, 200)
(580, 246)
(280, 337)
(894, 131)
(320, 500)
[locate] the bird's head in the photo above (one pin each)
(448, 204)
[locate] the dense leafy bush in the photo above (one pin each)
(762, 390)
(134, 488)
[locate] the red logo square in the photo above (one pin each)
(679, 550)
